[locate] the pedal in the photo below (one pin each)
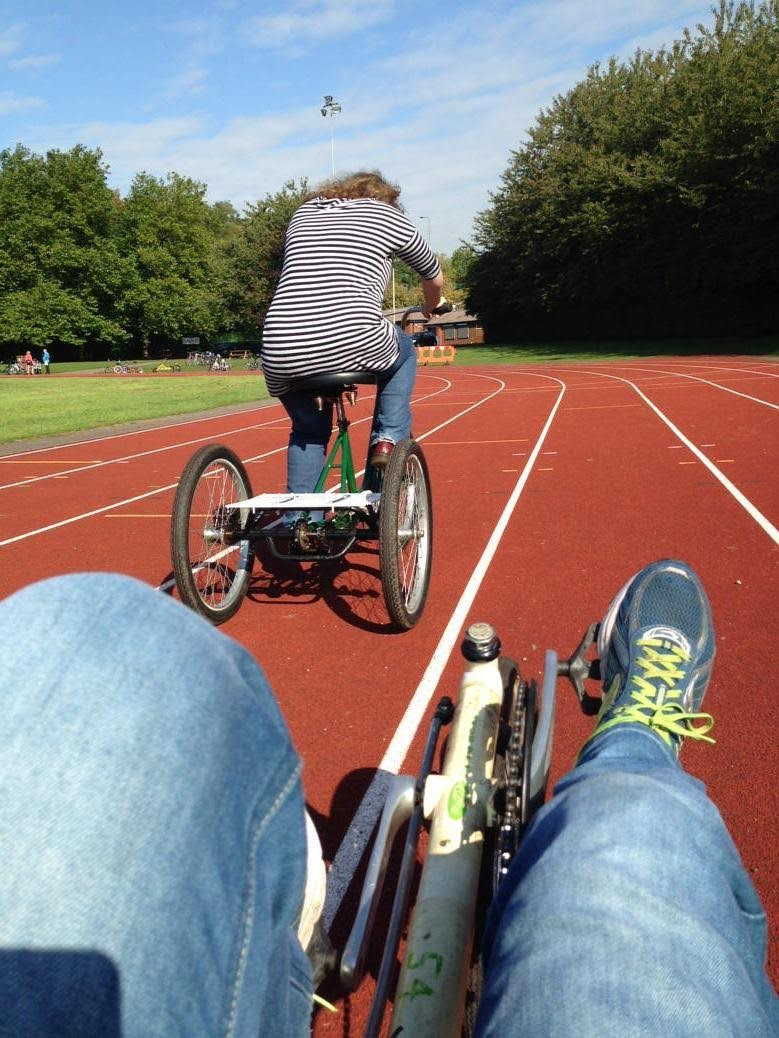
(578, 668)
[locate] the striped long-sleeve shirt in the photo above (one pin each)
(326, 311)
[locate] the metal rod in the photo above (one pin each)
(442, 715)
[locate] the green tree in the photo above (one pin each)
(646, 199)
(408, 287)
(254, 255)
(62, 275)
(176, 243)
(461, 260)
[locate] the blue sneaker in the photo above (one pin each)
(656, 646)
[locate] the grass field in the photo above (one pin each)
(42, 406)
(565, 352)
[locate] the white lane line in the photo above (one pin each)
(170, 486)
(723, 367)
(124, 460)
(84, 515)
(361, 827)
(732, 489)
(698, 378)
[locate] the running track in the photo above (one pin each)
(551, 486)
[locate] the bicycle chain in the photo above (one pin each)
(511, 825)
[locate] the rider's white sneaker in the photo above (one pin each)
(316, 883)
(311, 931)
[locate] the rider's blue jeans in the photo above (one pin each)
(151, 824)
(152, 835)
(627, 911)
(311, 428)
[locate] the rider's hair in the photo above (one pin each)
(365, 184)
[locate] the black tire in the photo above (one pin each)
(406, 533)
(211, 567)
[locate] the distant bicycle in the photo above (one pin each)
(219, 364)
(13, 368)
(122, 367)
(253, 362)
(200, 358)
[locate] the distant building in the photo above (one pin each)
(458, 328)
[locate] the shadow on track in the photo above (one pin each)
(351, 586)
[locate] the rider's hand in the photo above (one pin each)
(430, 311)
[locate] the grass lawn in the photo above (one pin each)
(566, 352)
(41, 406)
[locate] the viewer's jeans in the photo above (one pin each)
(153, 854)
(627, 911)
(311, 428)
(151, 824)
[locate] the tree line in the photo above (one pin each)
(646, 199)
(645, 202)
(88, 272)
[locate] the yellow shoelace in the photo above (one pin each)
(662, 661)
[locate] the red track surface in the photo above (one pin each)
(612, 487)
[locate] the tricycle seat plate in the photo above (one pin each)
(329, 500)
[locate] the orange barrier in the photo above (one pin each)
(435, 354)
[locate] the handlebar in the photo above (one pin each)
(444, 307)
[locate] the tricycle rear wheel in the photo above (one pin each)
(212, 566)
(406, 533)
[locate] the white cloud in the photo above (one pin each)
(11, 39)
(441, 118)
(130, 148)
(204, 35)
(10, 102)
(35, 61)
(311, 20)
(190, 80)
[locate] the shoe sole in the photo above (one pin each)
(607, 623)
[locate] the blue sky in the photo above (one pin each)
(229, 92)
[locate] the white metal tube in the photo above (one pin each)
(430, 992)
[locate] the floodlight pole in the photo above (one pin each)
(331, 107)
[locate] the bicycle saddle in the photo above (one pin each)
(332, 381)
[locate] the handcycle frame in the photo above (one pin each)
(493, 779)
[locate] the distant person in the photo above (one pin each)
(29, 363)
(46, 360)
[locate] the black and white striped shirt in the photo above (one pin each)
(326, 311)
